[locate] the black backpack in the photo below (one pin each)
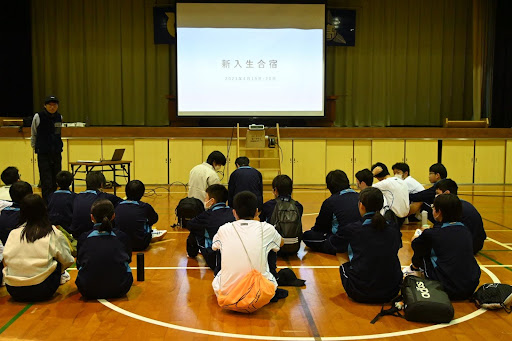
(187, 209)
(424, 300)
(287, 221)
(494, 296)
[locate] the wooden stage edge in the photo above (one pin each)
(292, 132)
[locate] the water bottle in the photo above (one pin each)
(424, 219)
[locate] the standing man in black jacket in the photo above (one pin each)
(47, 143)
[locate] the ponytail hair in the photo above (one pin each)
(373, 200)
(103, 211)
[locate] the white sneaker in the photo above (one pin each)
(64, 277)
(157, 235)
(408, 271)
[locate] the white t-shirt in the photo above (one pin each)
(201, 176)
(396, 195)
(4, 193)
(413, 185)
(258, 238)
(31, 263)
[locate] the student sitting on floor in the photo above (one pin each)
(373, 273)
(422, 201)
(81, 221)
(445, 253)
(395, 192)
(60, 202)
(282, 187)
(104, 255)
(470, 216)
(338, 210)
(402, 171)
(10, 216)
(245, 178)
(364, 178)
(35, 254)
(244, 245)
(206, 224)
(136, 218)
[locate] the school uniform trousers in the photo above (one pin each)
(446, 255)
(245, 178)
(205, 226)
(60, 208)
(103, 264)
(338, 210)
(136, 218)
(373, 273)
(81, 221)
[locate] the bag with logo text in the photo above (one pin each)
(421, 300)
(426, 301)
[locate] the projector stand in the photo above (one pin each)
(263, 151)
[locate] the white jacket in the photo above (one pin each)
(31, 263)
(201, 177)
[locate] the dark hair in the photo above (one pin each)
(366, 176)
(64, 179)
(439, 168)
(373, 200)
(245, 204)
(95, 180)
(283, 184)
(384, 170)
(242, 161)
(33, 212)
(218, 192)
(102, 210)
(450, 207)
(337, 181)
(447, 185)
(216, 157)
(135, 190)
(19, 190)
(10, 175)
(402, 166)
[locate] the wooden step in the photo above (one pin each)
(263, 158)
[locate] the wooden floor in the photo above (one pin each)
(176, 301)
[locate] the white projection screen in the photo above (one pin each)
(248, 59)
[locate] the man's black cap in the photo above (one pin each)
(51, 99)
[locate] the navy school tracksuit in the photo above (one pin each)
(373, 273)
(446, 255)
(205, 226)
(426, 197)
(103, 264)
(135, 218)
(338, 210)
(245, 178)
(473, 221)
(60, 208)
(9, 219)
(81, 221)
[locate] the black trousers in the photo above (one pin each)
(319, 242)
(40, 292)
(49, 165)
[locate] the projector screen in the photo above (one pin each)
(246, 59)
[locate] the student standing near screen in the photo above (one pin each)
(47, 143)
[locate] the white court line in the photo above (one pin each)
(279, 267)
(279, 338)
(500, 243)
(303, 214)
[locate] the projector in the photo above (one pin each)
(256, 127)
